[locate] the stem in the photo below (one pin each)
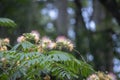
(80, 55)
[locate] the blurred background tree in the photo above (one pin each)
(93, 25)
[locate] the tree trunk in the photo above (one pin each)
(81, 33)
(62, 20)
(102, 44)
(113, 8)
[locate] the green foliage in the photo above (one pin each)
(34, 58)
(5, 22)
(25, 64)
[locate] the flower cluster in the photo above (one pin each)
(32, 37)
(63, 42)
(3, 44)
(60, 44)
(102, 76)
(45, 43)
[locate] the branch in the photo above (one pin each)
(112, 7)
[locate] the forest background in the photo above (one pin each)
(92, 25)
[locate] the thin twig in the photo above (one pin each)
(80, 55)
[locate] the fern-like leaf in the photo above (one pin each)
(5, 22)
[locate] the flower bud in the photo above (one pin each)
(6, 40)
(21, 39)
